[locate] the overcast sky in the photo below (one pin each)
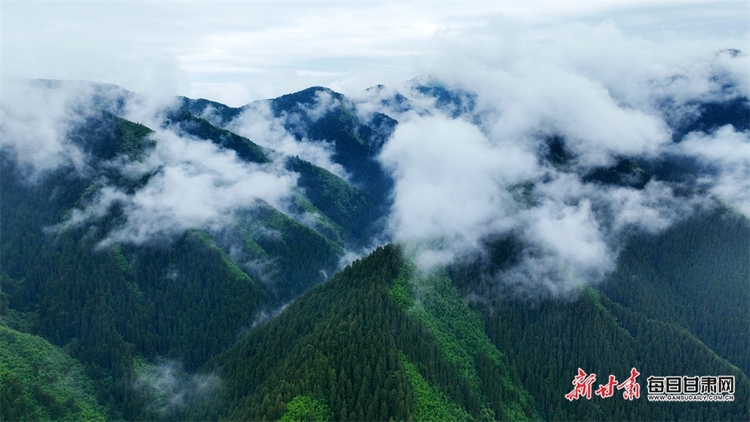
(236, 52)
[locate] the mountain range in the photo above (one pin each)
(403, 255)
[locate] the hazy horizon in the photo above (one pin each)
(238, 52)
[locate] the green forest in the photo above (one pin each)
(258, 321)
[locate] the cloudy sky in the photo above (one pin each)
(236, 52)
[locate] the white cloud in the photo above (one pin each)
(450, 182)
(563, 69)
(270, 48)
(728, 153)
(198, 186)
(572, 234)
(172, 388)
(651, 210)
(35, 120)
(258, 124)
(601, 90)
(193, 183)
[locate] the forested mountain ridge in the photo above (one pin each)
(354, 346)
(180, 257)
(81, 269)
(40, 381)
(641, 316)
(379, 325)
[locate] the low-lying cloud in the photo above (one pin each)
(35, 121)
(197, 186)
(258, 123)
(181, 183)
(172, 389)
(455, 189)
(450, 182)
(727, 153)
(608, 97)
(611, 99)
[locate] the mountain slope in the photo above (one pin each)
(322, 115)
(696, 275)
(188, 124)
(39, 381)
(184, 297)
(355, 211)
(350, 346)
(166, 311)
(380, 325)
(659, 312)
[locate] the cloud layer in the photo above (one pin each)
(465, 174)
(727, 153)
(258, 123)
(197, 186)
(608, 97)
(450, 182)
(182, 183)
(35, 121)
(242, 51)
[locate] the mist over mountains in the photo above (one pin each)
(557, 154)
(160, 240)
